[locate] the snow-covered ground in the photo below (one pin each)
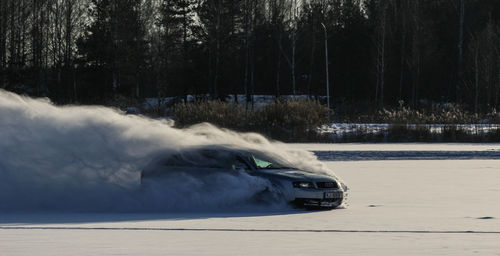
(417, 207)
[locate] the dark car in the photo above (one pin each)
(299, 187)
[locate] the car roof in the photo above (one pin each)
(212, 156)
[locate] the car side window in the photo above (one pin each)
(239, 164)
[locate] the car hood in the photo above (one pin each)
(294, 175)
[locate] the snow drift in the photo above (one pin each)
(88, 158)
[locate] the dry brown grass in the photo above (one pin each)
(284, 119)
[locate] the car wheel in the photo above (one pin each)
(270, 195)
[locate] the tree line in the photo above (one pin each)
(380, 52)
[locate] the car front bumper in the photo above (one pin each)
(318, 198)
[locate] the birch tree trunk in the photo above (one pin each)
(3, 43)
(380, 42)
(278, 69)
(416, 54)
(476, 75)
(217, 48)
(247, 53)
(311, 61)
(460, 75)
(294, 44)
(403, 12)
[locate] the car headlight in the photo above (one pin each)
(303, 184)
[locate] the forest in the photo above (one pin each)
(372, 53)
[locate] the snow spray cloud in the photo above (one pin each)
(88, 158)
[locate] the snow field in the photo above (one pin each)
(395, 208)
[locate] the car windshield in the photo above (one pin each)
(262, 162)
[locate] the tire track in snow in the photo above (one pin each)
(254, 230)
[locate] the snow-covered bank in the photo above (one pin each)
(342, 129)
(346, 128)
(351, 132)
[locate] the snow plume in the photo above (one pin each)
(89, 158)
